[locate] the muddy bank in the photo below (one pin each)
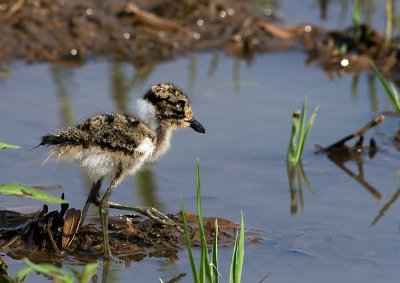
(140, 32)
(148, 32)
(47, 236)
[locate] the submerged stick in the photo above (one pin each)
(376, 121)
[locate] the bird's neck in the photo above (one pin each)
(163, 140)
(146, 112)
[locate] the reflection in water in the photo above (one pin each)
(372, 93)
(192, 73)
(147, 189)
(296, 173)
(354, 87)
(236, 75)
(177, 278)
(122, 86)
(392, 200)
(5, 73)
(340, 154)
(323, 9)
(172, 271)
(340, 160)
(386, 207)
(213, 65)
(63, 77)
(110, 272)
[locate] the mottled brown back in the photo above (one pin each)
(113, 132)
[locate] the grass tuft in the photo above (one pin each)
(208, 270)
(300, 130)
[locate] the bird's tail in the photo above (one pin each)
(51, 139)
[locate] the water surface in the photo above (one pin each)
(246, 110)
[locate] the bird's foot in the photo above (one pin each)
(160, 217)
(150, 212)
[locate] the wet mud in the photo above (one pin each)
(46, 236)
(148, 32)
(140, 32)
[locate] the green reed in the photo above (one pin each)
(390, 18)
(300, 130)
(390, 88)
(357, 20)
(208, 266)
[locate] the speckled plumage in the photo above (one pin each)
(106, 143)
(116, 145)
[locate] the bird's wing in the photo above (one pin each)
(123, 133)
(113, 132)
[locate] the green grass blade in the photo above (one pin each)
(391, 92)
(188, 246)
(76, 273)
(356, 12)
(205, 267)
(232, 273)
(303, 115)
(214, 255)
(51, 271)
(357, 20)
(235, 274)
(7, 145)
(240, 251)
(89, 271)
(395, 99)
(389, 21)
(25, 191)
(307, 131)
(304, 133)
(301, 172)
(22, 273)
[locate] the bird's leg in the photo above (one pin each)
(103, 211)
(144, 210)
(92, 198)
(147, 211)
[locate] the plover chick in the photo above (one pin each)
(116, 145)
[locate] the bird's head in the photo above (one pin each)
(172, 107)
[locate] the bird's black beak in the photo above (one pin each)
(195, 125)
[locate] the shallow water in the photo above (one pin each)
(246, 110)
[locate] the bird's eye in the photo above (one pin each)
(180, 104)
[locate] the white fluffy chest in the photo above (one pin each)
(99, 163)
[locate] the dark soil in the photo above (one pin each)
(148, 32)
(41, 236)
(140, 32)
